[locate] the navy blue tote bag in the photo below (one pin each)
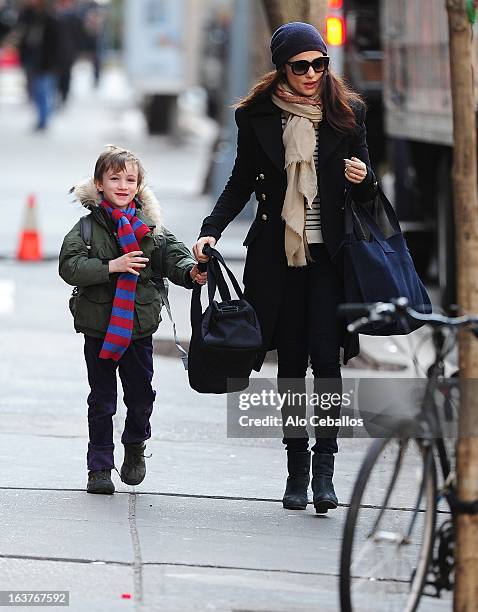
(378, 268)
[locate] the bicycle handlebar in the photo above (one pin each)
(389, 311)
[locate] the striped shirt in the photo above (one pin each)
(313, 222)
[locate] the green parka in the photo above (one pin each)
(88, 268)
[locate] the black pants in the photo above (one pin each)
(309, 329)
(64, 82)
(136, 373)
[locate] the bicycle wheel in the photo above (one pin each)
(389, 529)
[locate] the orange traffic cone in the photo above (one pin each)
(29, 248)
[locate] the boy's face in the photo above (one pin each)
(119, 188)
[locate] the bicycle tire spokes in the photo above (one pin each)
(398, 462)
(428, 459)
(390, 538)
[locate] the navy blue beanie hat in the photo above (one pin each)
(293, 38)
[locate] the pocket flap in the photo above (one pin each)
(146, 294)
(99, 294)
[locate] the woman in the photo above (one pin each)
(301, 145)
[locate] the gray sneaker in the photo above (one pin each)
(100, 482)
(133, 469)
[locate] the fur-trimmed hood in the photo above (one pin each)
(87, 194)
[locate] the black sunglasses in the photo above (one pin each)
(319, 64)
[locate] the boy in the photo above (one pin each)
(118, 306)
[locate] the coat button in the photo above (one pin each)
(262, 177)
(263, 196)
(264, 217)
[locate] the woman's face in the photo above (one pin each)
(306, 84)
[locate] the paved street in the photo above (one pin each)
(206, 530)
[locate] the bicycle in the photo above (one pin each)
(387, 557)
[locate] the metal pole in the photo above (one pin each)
(237, 86)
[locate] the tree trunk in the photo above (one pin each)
(464, 176)
(283, 11)
(317, 15)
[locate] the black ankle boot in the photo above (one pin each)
(298, 466)
(322, 486)
(133, 469)
(100, 482)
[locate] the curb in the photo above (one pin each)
(363, 361)
(45, 258)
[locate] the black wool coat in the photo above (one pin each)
(259, 167)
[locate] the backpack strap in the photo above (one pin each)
(161, 285)
(86, 230)
(85, 233)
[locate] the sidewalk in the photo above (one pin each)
(206, 530)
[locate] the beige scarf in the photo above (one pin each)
(299, 139)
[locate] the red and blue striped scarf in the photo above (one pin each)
(120, 328)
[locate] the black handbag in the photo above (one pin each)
(378, 265)
(226, 337)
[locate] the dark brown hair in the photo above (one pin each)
(336, 95)
(115, 159)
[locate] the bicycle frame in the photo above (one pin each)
(428, 415)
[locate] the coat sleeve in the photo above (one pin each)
(173, 260)
(240, 185)
(366, 190)
(75, 267)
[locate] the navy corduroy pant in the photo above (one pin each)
(135, 370)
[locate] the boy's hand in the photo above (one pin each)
(197, 276)
(198, 247)
(128, 263)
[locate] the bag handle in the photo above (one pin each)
(215, 280)
(370, 221)
(196, 307)
(218, 277)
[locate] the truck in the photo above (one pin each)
(161, 53)
(418, 124)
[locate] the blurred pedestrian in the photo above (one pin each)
(213, 65)
(8, 18)
(39, 48)
(301, 144)
(118, 307)
(93, 37)
(70, 39)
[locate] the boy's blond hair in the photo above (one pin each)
(115, 158)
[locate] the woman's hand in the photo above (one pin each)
(355, 170)
(198, 247)
(197, 276)
(128, 263)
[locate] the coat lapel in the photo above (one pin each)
(267, 124)
(266, 121)
(329, 140)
